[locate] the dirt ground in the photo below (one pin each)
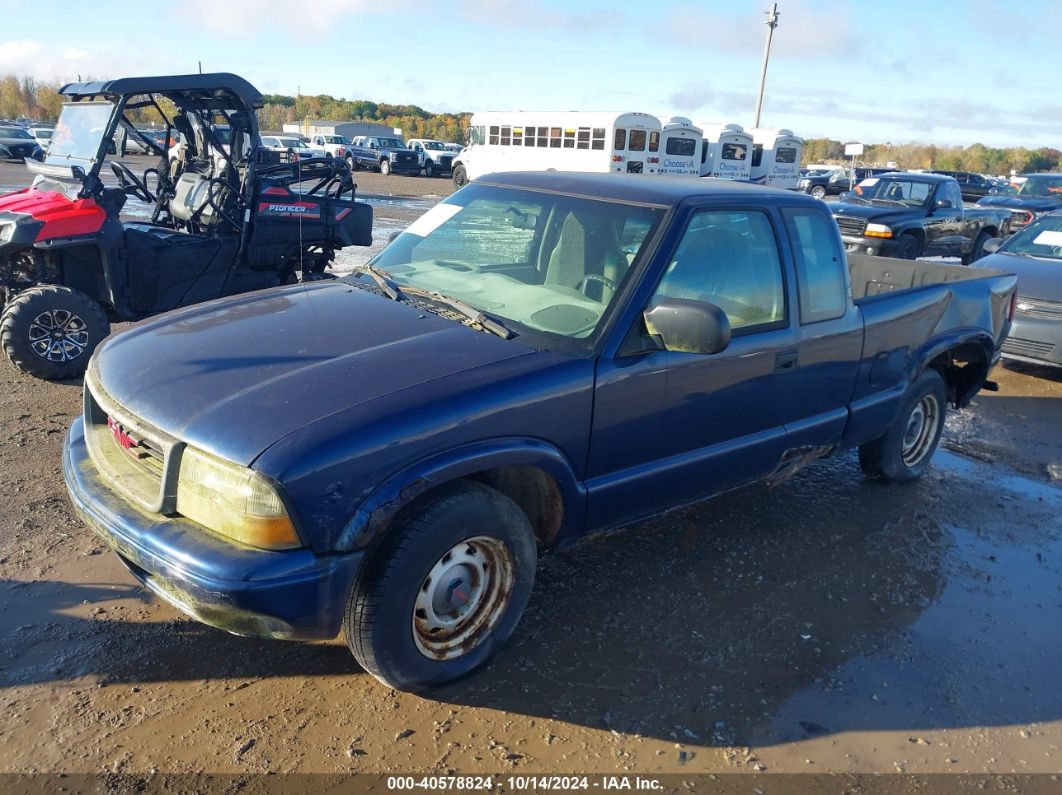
(828, 625)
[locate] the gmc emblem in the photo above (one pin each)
(121, 435)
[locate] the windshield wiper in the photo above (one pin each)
(473, 314)
(389, 288)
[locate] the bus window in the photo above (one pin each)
(683, 147)
(554, 137)
(506, 136)
(757, 154)
(598, 141)
(569, 139)
(543, 136)
(785, 155)
(529, 138)
(475, 135)
(654, 141)
(621, 139)
(583, 141)
(518, 136)
(734, 151)
(637, 142)
(493, 140)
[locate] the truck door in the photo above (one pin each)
(945, 225)
(671, 427)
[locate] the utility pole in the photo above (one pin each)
(772, 23)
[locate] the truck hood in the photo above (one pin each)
(234, 376)
(878, 213)
(1036, 204)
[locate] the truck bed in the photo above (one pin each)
(874, 276)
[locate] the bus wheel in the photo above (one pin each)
(460, 177)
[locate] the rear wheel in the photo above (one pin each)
(978, 249)
(385, 167)
(440, 595)
(50, 331)
(818, 192)
(460, 177)
(903, 453)
(908, 247)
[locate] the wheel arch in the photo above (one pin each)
(963, 360)
(536, 476)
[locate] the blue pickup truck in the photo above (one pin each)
(540, 357)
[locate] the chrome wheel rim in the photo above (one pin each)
(58, 335)
(920, 432)
(463, 597)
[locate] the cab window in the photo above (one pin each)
(820, 265)
(729, 259)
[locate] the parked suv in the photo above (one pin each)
(435, 158)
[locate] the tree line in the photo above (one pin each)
(37, 99)
(976, 157)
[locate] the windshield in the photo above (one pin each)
(1042, 187)
(433, 145)
(907, 192)
(335, 139)
(14, 132)
(392, 143)
(79, 133)
(537, 261)
(1040, 239)
(45, 134)
(292, 143)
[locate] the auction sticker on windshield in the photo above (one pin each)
(868, 182)
(1049, 237)
(433, 219)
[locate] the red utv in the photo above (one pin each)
(221, 216)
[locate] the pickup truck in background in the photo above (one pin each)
(972, 186)
(392, 155)
(342, 147)
(913, 214)
(435, 158)
(1036, 195)
(539, 357)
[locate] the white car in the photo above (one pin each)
(292, 144)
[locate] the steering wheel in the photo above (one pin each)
(131, 183)
(595, 277)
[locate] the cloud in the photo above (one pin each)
(302, 20)
(533, 16)
(74, 54)
(18, 56)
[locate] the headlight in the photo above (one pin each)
(233, 501)
(7, 231)
(878, 230)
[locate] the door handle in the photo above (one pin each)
(785, 361)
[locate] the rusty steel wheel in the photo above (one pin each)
(462, 598)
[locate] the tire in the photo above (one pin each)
(429, 168)
(905, 450)
(460, 177)
(391, 624)
(908, 247)
(33, 318)
(818, 192)
(352, 164)
(385, 167)
(978, 249)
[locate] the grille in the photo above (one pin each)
(402, 158)
(851, 226)
(1036, 307)
(129, 455)
(1039, 350)
(446, 161)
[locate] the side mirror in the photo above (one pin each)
(991, 246)
(687, 326)
(942, 204)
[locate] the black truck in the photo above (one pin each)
(908, 215)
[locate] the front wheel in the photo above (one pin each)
(50, 331)
(442, 593)
(908, 247)
(352, 164)
(818, 192)
(903, 453)
(385, 167)
(978, 249)
(460, 177)
(429, 168)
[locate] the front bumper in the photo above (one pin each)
(877, 246)
(294, 595)
(1035, 340)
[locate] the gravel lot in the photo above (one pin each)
(828, 625)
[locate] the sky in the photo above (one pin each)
(875, 71)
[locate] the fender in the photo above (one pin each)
(377, 510)
(936, 346)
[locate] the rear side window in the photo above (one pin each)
(820, 265)
(757, 154)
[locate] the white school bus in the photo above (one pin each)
(627, 143)
(776, 157)
(727, 151)
(680, 147)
